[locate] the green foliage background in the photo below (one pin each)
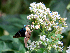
(13, 15)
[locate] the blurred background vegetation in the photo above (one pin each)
(13, 15)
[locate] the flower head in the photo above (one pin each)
(51, 22)
(42, 37)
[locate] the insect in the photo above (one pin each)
(24, 32)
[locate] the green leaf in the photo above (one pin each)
(3, 46)
(53, 51)
(13, 23)
(6, 38)
(9, 28)
(41, 50)
(13, 44)
(18, 25)
(24, 18)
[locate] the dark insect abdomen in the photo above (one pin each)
(20, 33)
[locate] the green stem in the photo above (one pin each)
(42, 31)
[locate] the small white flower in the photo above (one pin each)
(38, 46)
(60, 43)
(33, 4)
(40, 11)
(41, 23)
(28, 17)
(31, 14)
(44, 16)
(56, 26)
(32, 26)
(62, 27)
(57, 23)
(40, 20)
(61, 36)
(42, 37)
(54, 18)
(32, 43)
(32, 48)
(47, 39)
(35, 10)
(55, 46)
(48, 10)
(40, 42)
(29, 41)
(49, 47)
(37, 26)
(59, 17)
(55, 35)
(65, 18)
(49, 28)
(45, 27)
(37, 43)
(64, 23)
(32, 17)
(31, 9)
(55, 13)
(40, 15)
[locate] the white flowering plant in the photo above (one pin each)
(51, 25)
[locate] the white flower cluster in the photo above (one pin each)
(42, 16)
(48, 41)
(33, 45)
(45, 41)
(68, 51)
(58, 47)
(50, 21)
(36, 44)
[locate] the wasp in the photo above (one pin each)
(24, 32)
